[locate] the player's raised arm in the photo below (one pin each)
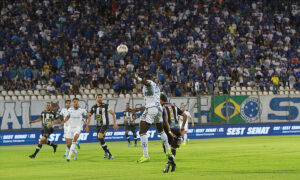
(138, 109)
(114, 118)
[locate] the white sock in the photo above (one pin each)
(67, 151)
(164, 139)
(72, 149)
(144, 142)
(184, 138)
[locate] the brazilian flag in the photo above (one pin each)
(226, 107)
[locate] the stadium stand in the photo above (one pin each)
(58, 49)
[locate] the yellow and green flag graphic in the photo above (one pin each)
(225, 108)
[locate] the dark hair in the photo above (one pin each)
(75, 99)
(99, 95)
(67, 101)
(163, 97)
(148, 76)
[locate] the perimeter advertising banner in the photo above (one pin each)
(254, 109)
(197, 132)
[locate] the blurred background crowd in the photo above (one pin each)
(190, 47)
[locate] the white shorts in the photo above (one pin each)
(152, 115)
(72, 131)
(66, 130)
(186, 126)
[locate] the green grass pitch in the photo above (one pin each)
(276, 157)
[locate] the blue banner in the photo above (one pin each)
(197, 132)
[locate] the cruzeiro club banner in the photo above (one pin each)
(235, 109)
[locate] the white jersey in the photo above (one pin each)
(64, 113)
(188, 117)
(76, 116)
(151, 95)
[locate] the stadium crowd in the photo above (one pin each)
(191, 47)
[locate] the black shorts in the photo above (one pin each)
(46, 131)
(102, 129)
(174, 142)
(130, 127)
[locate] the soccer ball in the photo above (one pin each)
(122, 49)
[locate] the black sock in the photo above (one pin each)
(50, 143)
(104, 146)
(173, 152)
(135, 139)
(38, 148)
(128, 139)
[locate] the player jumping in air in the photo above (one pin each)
(152, 114)
(172, 127)
(129, 119)
(74, 119)
(48, 118)
(101, 111)
(186, 127)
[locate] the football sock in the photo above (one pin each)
(164, 139)
(67, 151)
(184, 138)
(38, 148)
(104, 146)
(128, 139)
(72, 149)
(144, 142)
(50, 143)
(135, 138)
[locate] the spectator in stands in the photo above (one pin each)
(275, 81)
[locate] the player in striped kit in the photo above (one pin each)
(74, 116)
(49, 119)
(101, 111)
(129, 125)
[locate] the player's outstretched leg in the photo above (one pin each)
(49, 143)
(39, 147)
(164, 139)
(128, 138)
(184, 139)
(144, 141)
(72, 149)
(66, 152)
(105, 148)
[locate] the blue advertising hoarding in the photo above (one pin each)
(197, 132)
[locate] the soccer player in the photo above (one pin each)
(172, 127)
(152, 114)
(64, 113)
(129, 119)
(48, 118)
(186, 128)
(74, 116)
(101, 111)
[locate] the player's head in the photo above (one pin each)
(148, 76)
(99, 98)
(48, 106)
(127, 106)
(163, 98)
(183, 107)
(68, 104)
(75, 103)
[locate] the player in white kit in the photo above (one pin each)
(186, 127)
(63, 113)
(152, 114)
(74, 117)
